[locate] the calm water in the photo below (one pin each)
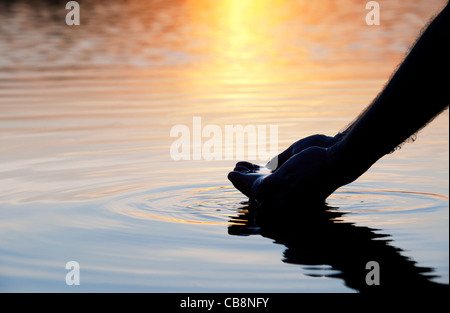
(85, 166)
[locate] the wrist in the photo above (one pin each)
(345, 166)
(339, 136)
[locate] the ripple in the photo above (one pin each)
(216, 205)
(385, 201)
(204, 205)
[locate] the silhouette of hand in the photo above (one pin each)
(300, 170)
(300, 145)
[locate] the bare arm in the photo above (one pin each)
(418, 91)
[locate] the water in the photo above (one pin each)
(85, 166)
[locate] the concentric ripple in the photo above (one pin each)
(385, 201)
(204, 205)
(216, 205)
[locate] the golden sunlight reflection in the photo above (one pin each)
(241, 37)
(243, 49)
(150, 216)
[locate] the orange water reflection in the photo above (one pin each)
(106, 94)
(240, 36)
(258, 41)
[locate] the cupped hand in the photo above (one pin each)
(300, 172)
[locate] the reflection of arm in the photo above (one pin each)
(418, 91)
(348, 248)
(360, 245)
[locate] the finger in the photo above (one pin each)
(275, 163)
(250, 166)
(243, 182)
(241, 169)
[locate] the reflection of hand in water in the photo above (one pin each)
(318, 237)
(312, 168)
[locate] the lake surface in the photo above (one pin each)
(86, 172)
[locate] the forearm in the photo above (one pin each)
(418, 91)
